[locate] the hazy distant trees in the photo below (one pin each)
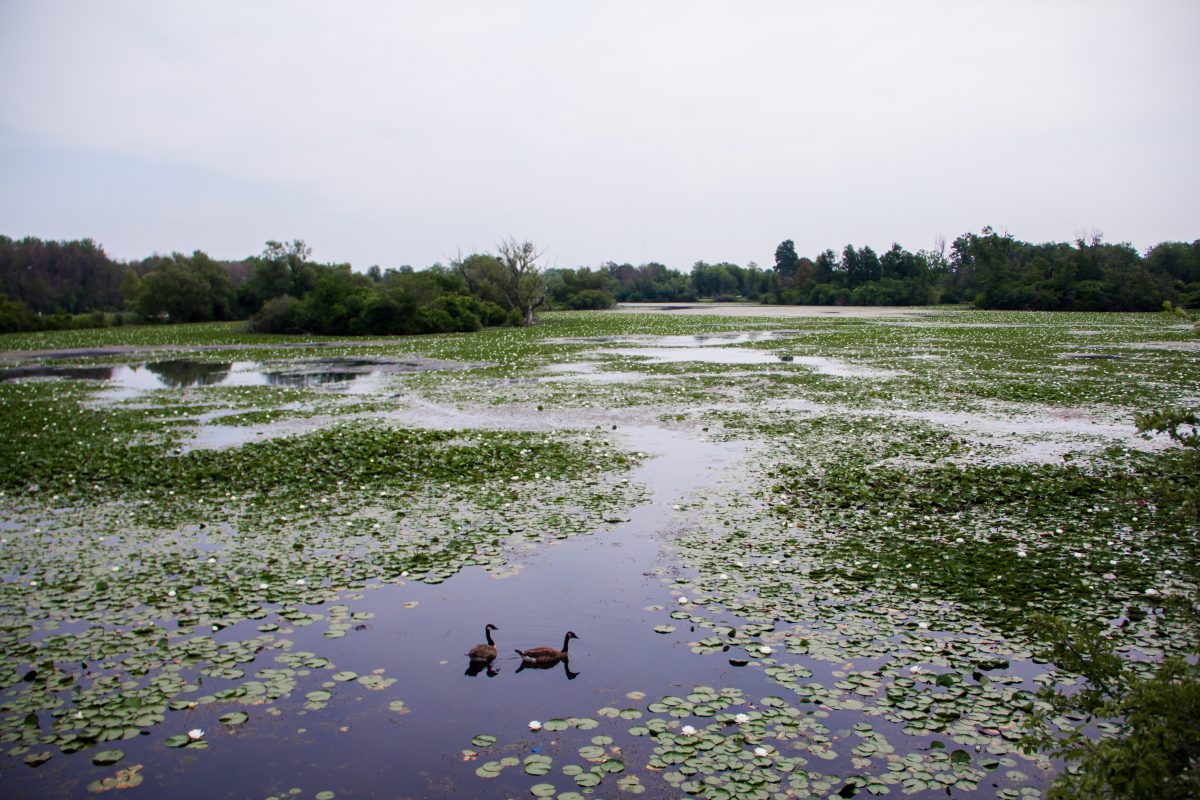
(59, 277)
(74, 283)
(995, 270)
(582, 289)
(649, 283)
(342, 302)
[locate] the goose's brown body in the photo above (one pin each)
(484, 652)
(547, 655)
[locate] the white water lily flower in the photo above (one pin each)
(741, 719)
(301, 582)
(683, 601)
(534, 725)
(1151, 592)
(959, 540)
(688, 730)
(262, 586)
(195, 733)
(761, 752)
(765, 650)
(914, 668)
(914, 586)
(170, 592)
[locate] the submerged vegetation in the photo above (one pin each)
(937, 557)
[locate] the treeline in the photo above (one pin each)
(55, 285)
(71, 284)
(996, 271)
(989, 270)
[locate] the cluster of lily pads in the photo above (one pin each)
(719, 744)
(124, 555)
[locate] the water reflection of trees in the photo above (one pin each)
(181, 373)
(309, 378)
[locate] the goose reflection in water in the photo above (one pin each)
(486, 667)
(549, 665)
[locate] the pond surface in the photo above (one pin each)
(354, 744)
(763, 556)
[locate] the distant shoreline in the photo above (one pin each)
(761, 310)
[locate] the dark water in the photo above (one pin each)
(597, 586)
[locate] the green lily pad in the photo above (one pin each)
(106, 757)
(587, 779)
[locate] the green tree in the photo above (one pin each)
(131, 289)
(512, 278)
(786, 261)
(174, 293)
(281, 269)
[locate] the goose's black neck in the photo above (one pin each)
(488, 633)
(566, 642)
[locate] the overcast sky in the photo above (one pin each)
(403, 133)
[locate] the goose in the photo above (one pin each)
(484, 652)
(547, 655)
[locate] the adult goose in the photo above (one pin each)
(547, 655)
(484, 652)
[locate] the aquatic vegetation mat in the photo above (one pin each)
(195, 573)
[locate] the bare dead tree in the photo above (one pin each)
(524, 286)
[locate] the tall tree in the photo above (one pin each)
(786, 260)
(524, 286)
